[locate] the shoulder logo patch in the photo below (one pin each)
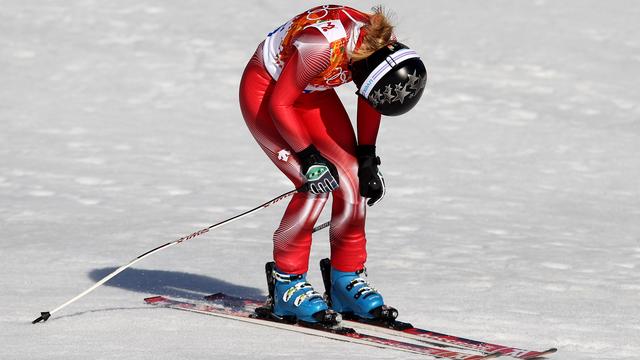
(331, 29)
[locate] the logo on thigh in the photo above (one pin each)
(283, 155)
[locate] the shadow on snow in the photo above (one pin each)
(171, 283)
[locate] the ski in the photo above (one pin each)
(406, 330)
(391, 326)
(223, 309)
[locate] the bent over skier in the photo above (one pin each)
(289, 104)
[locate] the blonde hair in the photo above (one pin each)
(378, 33)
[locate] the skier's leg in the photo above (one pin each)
(335, 138)
(292, 239)
(255, 89)
(293, 296)
(332, 132)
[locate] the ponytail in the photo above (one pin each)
(378, 34)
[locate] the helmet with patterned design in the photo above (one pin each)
(387, 73)
(392, 79)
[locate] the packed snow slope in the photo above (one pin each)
(513, 204)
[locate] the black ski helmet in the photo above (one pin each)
(392, 79)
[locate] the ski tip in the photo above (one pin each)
(154, 299)
(44, 316)
(542, 354)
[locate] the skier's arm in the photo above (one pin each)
(371, 182)
(368, 123)
(311, 57)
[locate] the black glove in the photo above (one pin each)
(321, 174)
(371, 181)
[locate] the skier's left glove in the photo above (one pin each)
(321, 174)
(371, 181)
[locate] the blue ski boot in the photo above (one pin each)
(293, 299)
(352, 296)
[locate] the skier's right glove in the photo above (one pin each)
(371, 180)
(321, 174)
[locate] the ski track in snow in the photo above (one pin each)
(512, 213)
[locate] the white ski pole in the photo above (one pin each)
(44, 316)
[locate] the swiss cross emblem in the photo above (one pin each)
(328, 26)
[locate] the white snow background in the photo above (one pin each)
(513, 205)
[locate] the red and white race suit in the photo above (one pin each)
(288, 102)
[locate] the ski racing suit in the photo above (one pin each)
(288, 103)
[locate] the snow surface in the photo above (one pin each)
(513, 205)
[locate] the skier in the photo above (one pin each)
(289, 104)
